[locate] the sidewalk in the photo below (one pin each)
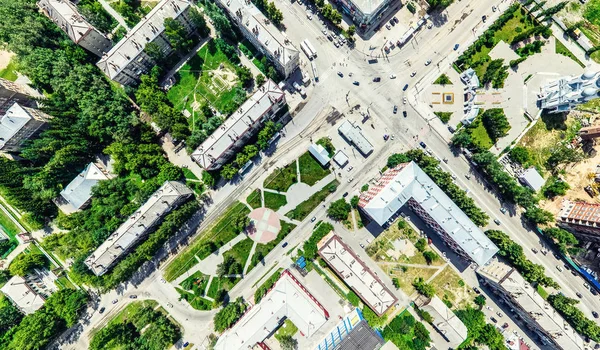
(114, 13)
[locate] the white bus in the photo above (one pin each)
(314, 69)
(311, 48)
(306, 50)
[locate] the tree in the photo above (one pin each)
(25, 262)
(563, 154)
(439, 4)
(96, 15)
(520, 155)
(10, 316)
(351, 30)
(155, 52)
(244, 75)
(555, 187)
(288, 343)
(354, 202)
(538, 216)
(495, 122)
(228, 171)
(199, 22)
(396, 159)
(339, 210)
(430, 257)
(423, 288)
(566, 307)
(228, 315)
(353, 298)
(479, 300)
(260, 80)
(462, 139)
(421, 244)
(177, 35)
(66, 304)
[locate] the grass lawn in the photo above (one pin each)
(196, 301)
(542, 292)
(274, 200)
(189, 175)
(240, 251)
(281, 179)
(64, 283)
(262, 250)
(288, 328)
(310, 170)
(10, 72)
(480, 136)
(221, 283)
(132, 309)
(196, 82)
(444, 116)
(254, 199)
(215, 236)
(563, 50)
(306, 207)
(443, 80)
(7, 225)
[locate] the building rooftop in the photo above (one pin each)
(255, 22)
(398, 185)
(529, 300)
(340, 158)
(446, 321)
(580, 213)
(238, 124)
(355, 273)
(64, 12)
(15, 118)
(134, 42)
(320, 153)
(362, 337)
(129, 233)
(367, 6)
(79, 191)
(288, 298)
(533, 179)
(22, 295)
(353, 134)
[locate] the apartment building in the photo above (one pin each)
(77, 195)
(365, 12)
(69, 20)
(263, 35)
(224, 142)
(530, 307)
(168, 197)
(11, 92)
(582, 219)
(18, 124)
(127, 60)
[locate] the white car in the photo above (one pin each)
(309, 14)
(428, 62)
(324, 31)
(404, 100)
(392, 76)
(430, 25)
(559, 268)
(413, 74)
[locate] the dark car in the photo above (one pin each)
(377, 79)
(186, 344)
(356, 83)
(595, 314)
(102, 310)
(456, 47)
(494, 320)
(405, 87)
(392, 22)
(483, 18)
(345, 194)
(284, 244)
(423, 144)
(133, 296)
(579, 295)
(396, 19)
(476, 290)
(395, 109)
(404, 114)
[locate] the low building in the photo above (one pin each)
(127, 61)
(320, 154)
(582, 219)
(353, 134)
(355, 326)
(564, 94)
(18, 290)
(530, 307)
(78, 193)
(11, 92)
(361, 337)
(224, 142)
(445, 321)
(408, 184)
(356, 274)
(263, 35)
(168, 197)
(69, 20)
(19, 124)
(340, 158)
(532, 179)
(471, 81)
(589, 133)
(365, 12)
(288, 298)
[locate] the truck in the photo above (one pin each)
(315, 71)
(306, 50)
(310, 47)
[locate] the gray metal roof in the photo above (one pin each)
(533, 179)
(320, 153)
(79, 191)
(362, 337)
(354, 135)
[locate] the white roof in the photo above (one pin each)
(340, 158)
(353, 271)
(255, 22)
(446, 321)
(242, 120)
(136, 226)
(407, 181)
(22, 295)
(368, 6)
(15, 119)
(79, 191)
(354, 134)
(320, 153)
(147, 30)
(527, 297)
(66, 16)
(287, 299)
(533, 179)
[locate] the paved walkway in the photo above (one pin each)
(249, 260)
(114, 13)
(300, 192)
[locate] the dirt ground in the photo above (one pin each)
(5, 57)
(449, 286)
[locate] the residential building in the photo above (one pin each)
(287, 299)
(444, 320)
(563, 94)
(168, 197)
(19, 124)
(11, 92)
(127, 60)
(408, 184)
(582, 219)
(69, 20)
(320, 154)
(529, 306)
(353, 134)
(471, 81)
(78, 193)
(263, 35)
(352, 326)
(589, 133)
(532, 179)
(365, 12)
(356, 274)
(22, 295)
(224, 142)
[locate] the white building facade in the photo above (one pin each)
(564, 94)
(18, 124)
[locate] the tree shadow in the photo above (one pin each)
(554, 121)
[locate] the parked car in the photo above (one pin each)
(413, 74)
(341, 74)
(579, 295)
(595, 314)
(101, 311)
(405, 87)
(186, 344)
(392, 22)
(559, 268)
(503, 210)
(535, 251)
(404, 114)
(404, 100)
(422, 144)
(476, 290)
(377, 79)
(493, 319)
(133, 296)
(345, 194)
(456, 47)
(356, 83)
(392, 76)
(388, 26)
(115, 301)
(497, 222)
(396, 19)
(395, 109)
(428, 62)
(284, 244)
(313, 219)
(505, 325)
(483, 18)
